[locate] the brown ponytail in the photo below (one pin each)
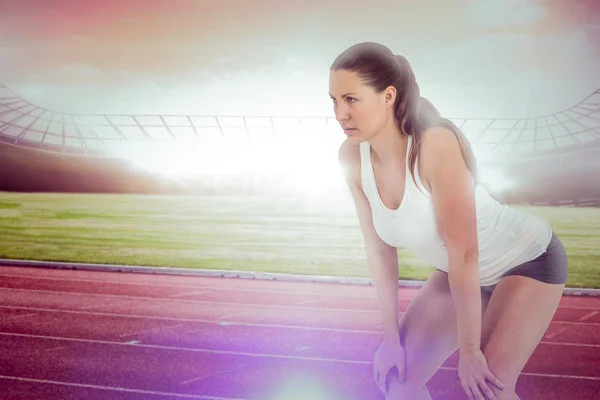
(416, 114)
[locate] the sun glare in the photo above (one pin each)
(305, 162)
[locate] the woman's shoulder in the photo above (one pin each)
(439, 142)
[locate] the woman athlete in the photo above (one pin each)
(500, 272)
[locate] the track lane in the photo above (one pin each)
(184, 312)
(583, 360)
(171, 370)
(584, 332)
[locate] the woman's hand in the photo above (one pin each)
(474, 375)
(389, 354)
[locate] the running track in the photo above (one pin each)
(106, 335)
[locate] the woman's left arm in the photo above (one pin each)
(453, 195)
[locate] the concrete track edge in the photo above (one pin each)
(232, 274)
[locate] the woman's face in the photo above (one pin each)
(360, 110)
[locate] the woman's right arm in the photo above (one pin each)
(382, 259)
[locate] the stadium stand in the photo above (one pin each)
(551, 159)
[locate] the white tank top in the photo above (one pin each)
(507, 237)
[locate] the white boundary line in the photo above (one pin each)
(252, 324)
(190, 349)
(206, 289)
(238, 304)
(199, 320)
(201, 287)
(191, 301)
(113, 388)
(233, 274)
(259, 355)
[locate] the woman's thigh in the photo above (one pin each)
(428, 331)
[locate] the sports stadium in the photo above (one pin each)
(227, 172)
(545, 160)
(228, 221)
(174, 222)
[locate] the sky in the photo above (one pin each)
(472, 58)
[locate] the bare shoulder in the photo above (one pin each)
(442, 159)
(440, 150)
(349, 159)
(439, 140)
(438, 146)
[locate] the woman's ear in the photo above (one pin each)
(390, 96)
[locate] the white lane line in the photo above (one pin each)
(158, 328)
(312, 301)
(240, 323)
(14, 317)
(233, 289)
(589, 315)
(189, 293)
(256, 355)
(107, 304)
(228, 316)
(570, 344)
(213, 374)
(207, 321)
(114, 388)
(186, 349)
(581, 320)
(191, 301)
(591, 378)
(145, 284)
(303, 348)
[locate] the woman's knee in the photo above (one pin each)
(502, 369)
(409, 389)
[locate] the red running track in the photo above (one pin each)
(97, 335)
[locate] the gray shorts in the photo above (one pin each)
(550, 267)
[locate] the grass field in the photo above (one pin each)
(286, 234)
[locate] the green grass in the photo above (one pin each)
(285, 234)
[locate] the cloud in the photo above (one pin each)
(520, 56)
(510, 74)
(505, 13)
(236, 56)
(74, 73)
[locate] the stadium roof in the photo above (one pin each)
(25, 124)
